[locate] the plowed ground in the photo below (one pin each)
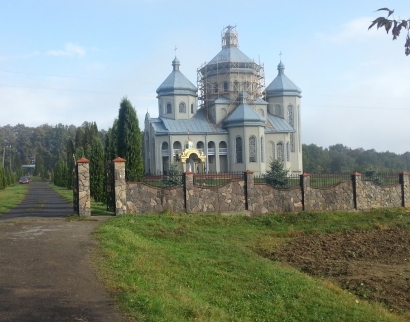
(374, 265)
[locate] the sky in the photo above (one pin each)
(73, 61)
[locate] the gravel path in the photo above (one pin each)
(46, 272)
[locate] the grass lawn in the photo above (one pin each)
(166, 267)
(97, 208)
(12, 196)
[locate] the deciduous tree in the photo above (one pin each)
(394, 25)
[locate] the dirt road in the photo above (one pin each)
(45, 265)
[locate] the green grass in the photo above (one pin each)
(12, 196)
(97, 208)
(215, 268)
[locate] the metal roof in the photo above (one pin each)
(230, 54)
(282, 85)
(279, 124)
(244, 115)
(176, 83)
(196, 124)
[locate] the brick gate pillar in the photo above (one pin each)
(188, 190)
(83, 182)
(120, 187)
(405, 189)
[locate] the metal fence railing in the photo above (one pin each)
(211, 179)
(162, 180)
(322, 180)
(381, 179)
(279, 182)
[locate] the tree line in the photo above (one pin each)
(342, 159)
(54, 150)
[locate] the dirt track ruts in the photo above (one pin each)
(45, 267)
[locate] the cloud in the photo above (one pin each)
(70, 49)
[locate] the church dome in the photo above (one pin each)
(189, 144)
(176, 83)
(244, 115)
(282, 85)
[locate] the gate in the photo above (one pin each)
(74, 179)
(110, 186)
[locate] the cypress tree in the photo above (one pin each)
(79, 138)
(129, 141)
(2, 178)
(70, 162)
(97, 170)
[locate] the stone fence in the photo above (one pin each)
(247, 194)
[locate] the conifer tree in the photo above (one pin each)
(70, 162)
(97, 170)
(129, 141)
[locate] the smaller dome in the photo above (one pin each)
(176, 63)
(189, 144)
(282, 85)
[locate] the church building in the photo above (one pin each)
(229, 122)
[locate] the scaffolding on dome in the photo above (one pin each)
(226, 78)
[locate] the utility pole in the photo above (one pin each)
(4, 153)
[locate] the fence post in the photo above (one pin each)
(356, 178)
(304, 185)
(188, 190)
(120, 187)
(83, 182)
(405, 192)
(249, 189)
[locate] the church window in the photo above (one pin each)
(226, 86)
(238, 149)
(169, 108)
(287, 152)
(252, 149)
(279, 151)
(278, 110)
(262, 149)
(290, 115)
(192, 108)
(261, 112)
(292, 142)
(236, 86)
(215, 88)
(182, 107)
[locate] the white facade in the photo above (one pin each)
(230, 117)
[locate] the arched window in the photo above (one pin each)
(261, 112)
(182, 107)
(252, 149)
(238, 149)
(290, 115)
(279, 151)
(215, 87)
(287, 152)
(262, 149)
(236, 86)
(200, 146)
(226, 86)
(169, 108)
(278, 110)
(192, 108)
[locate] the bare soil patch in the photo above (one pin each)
(374, 265)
